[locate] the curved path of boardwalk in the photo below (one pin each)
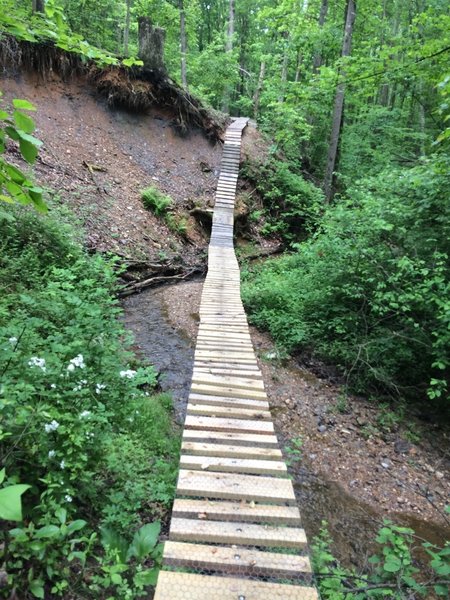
(236, 531)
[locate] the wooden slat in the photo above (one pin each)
(243, 512)
(224, 401)
(230, 451)
(235, 560)
(233, 465)
(235, 487)
(224, 532)
(257, 440)
(230, 391)
(191, 586)
(227, 424)
(234, 412)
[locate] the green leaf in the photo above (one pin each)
(49, 531)
(392, 564)
(23, 104)
(37, 588)
(28, 151)
(61, 515)
(24, 122)
(114, 541)
(2, 475)
(10, 502)
(144, 540)
(76, 526)
(147, 577)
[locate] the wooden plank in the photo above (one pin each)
(229, 391)
(233, 465)
(234, 412)
(224, 401)
(223, 532)
(236, 560)
(227, 381)
(192, 586)
(230, 451)
(230, 486)
(257, 440)
(228, 424)
(243, 512)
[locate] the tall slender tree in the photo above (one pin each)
(183, 44)
(350, 15)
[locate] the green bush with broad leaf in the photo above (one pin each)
(391, 572)
(80, 423)
(17, 126)
(370, 291)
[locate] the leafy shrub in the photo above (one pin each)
(369, 291)
(292, 204)
(79, 421)
(156, 201)
(392, 574)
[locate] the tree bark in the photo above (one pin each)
(229, 50)
(339, 102)
(284, 68)
(230, 32)
(151, 45)
(38, 6)
(257, 94)
(317, 62)
(126, 32)
(183, 44)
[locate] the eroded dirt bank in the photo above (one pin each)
(350, 473)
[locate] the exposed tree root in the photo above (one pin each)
(137, 89)
(132, 288)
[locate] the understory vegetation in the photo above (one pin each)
(81, 423)
(369, 290)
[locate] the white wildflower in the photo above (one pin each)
(129, 373)
(53, 386)
(52, 426)
(85, 413)
(51, 453)
(35, 361)
(99, 387)
(68, 498)
(78, 361)
(13, 341)
(62, 465)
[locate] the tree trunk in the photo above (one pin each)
(183, 44)
(38, 6)
(257, 94)
(126, 32)
(339, 103)
(230, 32)
(229, 49)
(151, 45)
(284, 68)
(317, 62)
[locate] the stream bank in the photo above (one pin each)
(351, 472)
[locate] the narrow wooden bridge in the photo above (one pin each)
(236, 531)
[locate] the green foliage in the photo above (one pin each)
(79, 421)
(11, 500)
(156, 201)
(392, 574)
(52, 26)
(369, 291)
(16, 186)
(292, 204)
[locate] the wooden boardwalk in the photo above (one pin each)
(236, 531)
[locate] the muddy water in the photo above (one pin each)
(165, 347)
(352, 523)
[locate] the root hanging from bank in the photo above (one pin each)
(137, 89)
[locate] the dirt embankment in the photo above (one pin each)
(98, 159)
